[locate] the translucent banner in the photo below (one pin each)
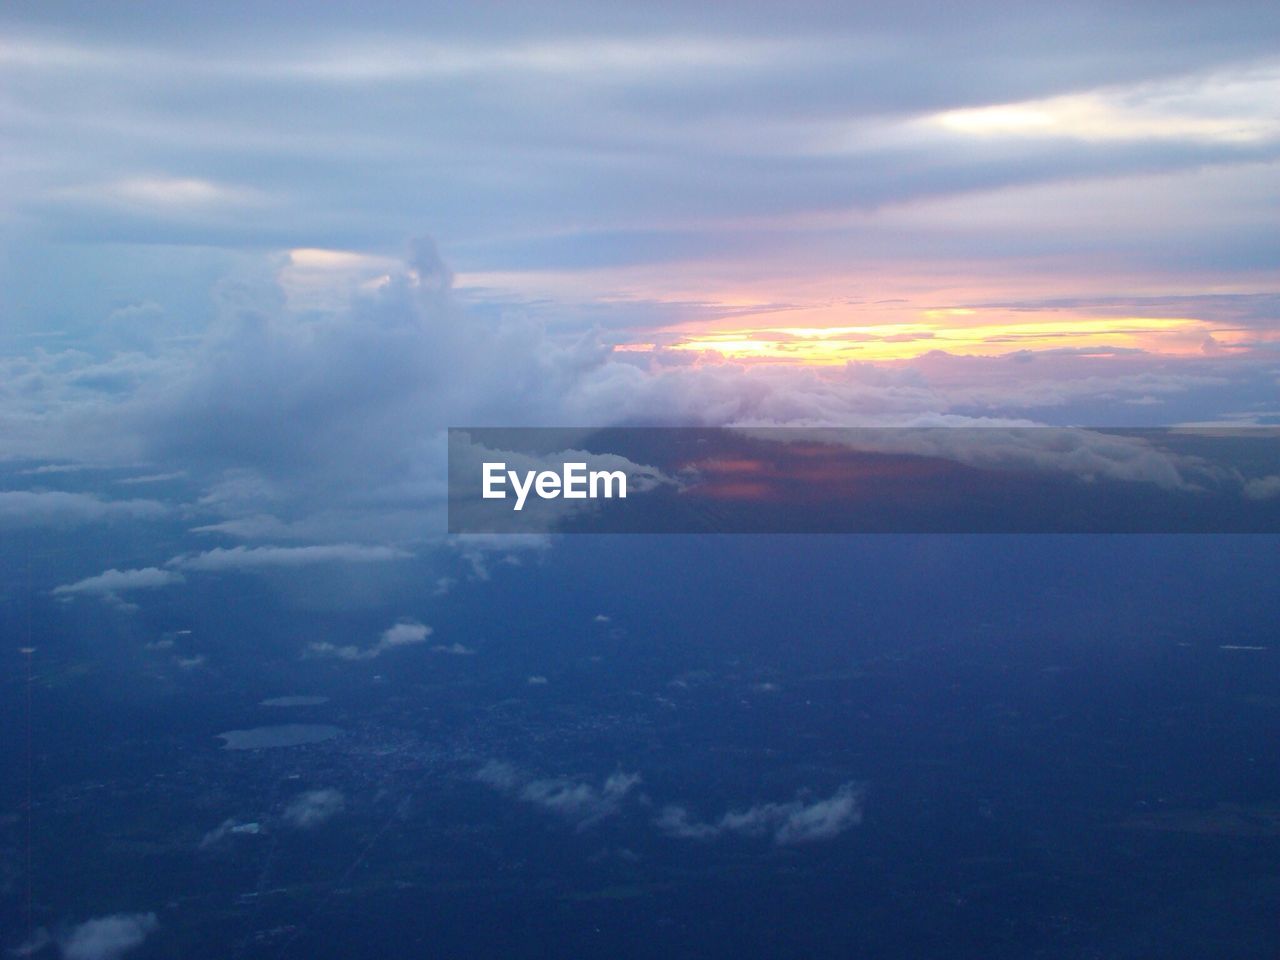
(864, 480)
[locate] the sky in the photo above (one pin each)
(276, 253)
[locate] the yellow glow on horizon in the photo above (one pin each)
(947, 330)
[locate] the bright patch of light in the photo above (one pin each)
(1235, 107)
(950, 331)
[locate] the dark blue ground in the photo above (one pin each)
(1059, 757)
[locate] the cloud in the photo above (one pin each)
(111, 583)
(327, 433)
(153, 478)
(314, 807)
(254, 558)
(455, 649)
(706, 100)
(403, 634)
(479, 550)
(31, 508)
(800, 821)
(229, 828)
(107, 938)
(579, 802)
(1086, 454)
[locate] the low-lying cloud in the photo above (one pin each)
(250, 558)
(579, 802)
(109, 584)
(314, 807)
(802, 820)
(107, 938)
(406, 633)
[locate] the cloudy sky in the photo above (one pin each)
(277, 253)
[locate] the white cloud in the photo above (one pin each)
(251, 558)
(579, 802)
(230, 828)
(1233, 106)
(455, 649)
(800, 821)
(107, 938)
(111, 583)
(153, 478)
(403, 634)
